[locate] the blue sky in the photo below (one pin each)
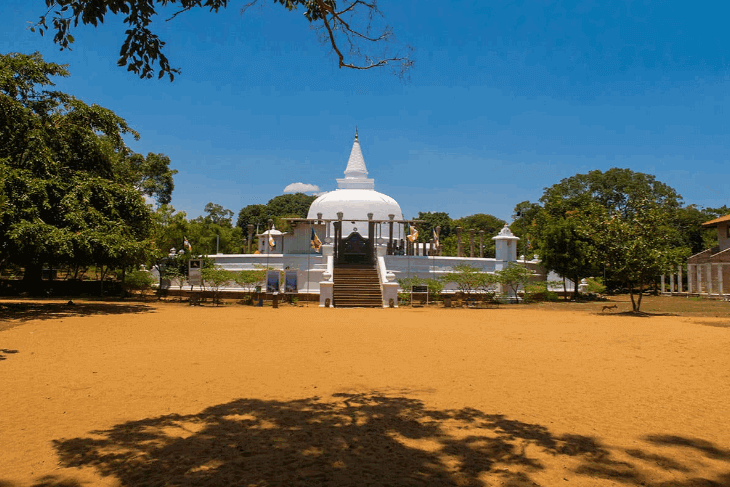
(505, 98)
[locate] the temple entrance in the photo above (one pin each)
(355, 249)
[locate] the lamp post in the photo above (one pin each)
(521, 213)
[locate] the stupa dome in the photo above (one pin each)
(355, 198)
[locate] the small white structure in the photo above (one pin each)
(264, 243)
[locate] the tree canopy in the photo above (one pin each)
(64, 201)
(354, 30)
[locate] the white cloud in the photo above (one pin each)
(301, 188)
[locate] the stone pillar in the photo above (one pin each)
(663, 288)
(671, 283)
(680, 285)
(481, 244)
(690, 268)
(390, 233)
(709, 278)
(699, 278)
(720, 287)
(458, 242)
(249, 227)
(471, 242)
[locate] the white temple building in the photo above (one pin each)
(356, 198)
(362, 230)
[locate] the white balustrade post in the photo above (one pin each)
(671, 283)
(663, 284)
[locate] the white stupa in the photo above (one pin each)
(355, 197)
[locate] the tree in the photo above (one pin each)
(348, 30)
(428, 221)
(284, 206)
(524, 226)
(491, 225)
(471, 281)
(62, 200)
(296, 204)
(151, 175)
(218, 215)
(636, 248)
(620, 192)
(513, 277)
(256, 215)
(565, 249)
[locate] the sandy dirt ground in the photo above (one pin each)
(171, 395)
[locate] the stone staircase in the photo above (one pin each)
(356, 286)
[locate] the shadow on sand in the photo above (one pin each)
(14, 313)
(362, 439)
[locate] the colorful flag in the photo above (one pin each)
(272, 242)
(186, 244)
(316, 243)
(435, 238)
(413, 233)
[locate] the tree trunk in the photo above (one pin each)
(641, 294)
(575, 288)
(631, 293)
(565, 290)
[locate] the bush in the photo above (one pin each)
(138, 281)
(216, 278)
(539, 292)
(595, 285)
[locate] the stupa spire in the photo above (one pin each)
(356, 174)
(356, 164)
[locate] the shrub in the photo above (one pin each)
(595, 285)
(216, 278)
(138, 281)
(539, 292)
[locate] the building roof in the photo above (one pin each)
(714, 222)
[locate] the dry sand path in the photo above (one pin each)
(166, 394)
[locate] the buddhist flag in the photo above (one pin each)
(316, 243)
(186, 244)
(412, 233)
(435, 238)
(272, 242)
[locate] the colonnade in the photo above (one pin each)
(708, 278)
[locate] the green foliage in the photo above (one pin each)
(635, 248)
(514, 276)
(284, 206)
(595, 285)
(218, 215)
(64, 202)
(215, 278)
(538, 292)
(150, 175)
(525, 227)
(138, 281)
(429, 221)
(250, 279)
(491, 225)
(471, 281)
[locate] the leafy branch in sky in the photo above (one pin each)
(354, 30)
